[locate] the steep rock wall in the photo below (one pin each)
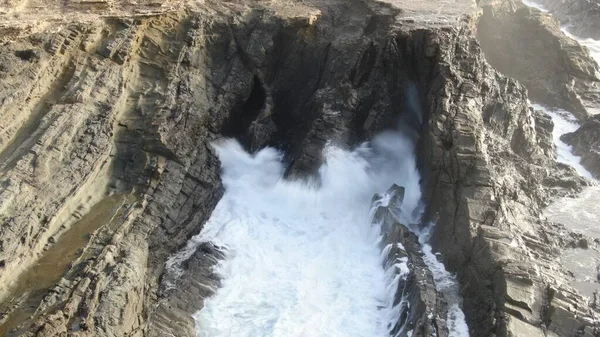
(586, 144)
(582, 16)
(528, 45)
(130, 104)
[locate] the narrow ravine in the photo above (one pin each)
(389, 180)
(577, 213)
(302, 257)
(447, 284)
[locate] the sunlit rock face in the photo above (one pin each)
(115, 98)
(582, 17)
(513, 34)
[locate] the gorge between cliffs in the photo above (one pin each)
(287, 168)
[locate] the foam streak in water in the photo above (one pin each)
(445, 282)
(535, 5)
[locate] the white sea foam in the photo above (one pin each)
(592, 44)
(301, 256)
(564, 122)
(535, 5)
(580, 213)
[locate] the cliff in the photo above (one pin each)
(581, 16)
(110, 98)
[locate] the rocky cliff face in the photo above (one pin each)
(422, 309)
(481, 143)
(582, 16)
(120, 99)
(586, 144)
(514, 36)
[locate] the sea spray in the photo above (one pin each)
(302, 258)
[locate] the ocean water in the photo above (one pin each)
(303, 256)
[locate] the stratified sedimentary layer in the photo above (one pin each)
(103, 97)
(581, 16)
(529, 45)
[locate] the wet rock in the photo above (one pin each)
(513, 34)
(184, 294)
(582, 243)
(422, 310)
(586, 143)
(581, 16)
(396, 195)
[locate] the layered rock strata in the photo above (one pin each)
(586, 144)
(581, 16)
(118, 98)
(529, 45)
(422, 310)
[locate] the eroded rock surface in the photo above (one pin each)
(115, 97)
(581, 16)
(181, 296)
(488, 159)
(528, 45)
(586, 144)
(422, 309)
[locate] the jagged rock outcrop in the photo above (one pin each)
(581, 16)
(484, 152)
(586, 144)
(125, 99)
(422, 309)
(514, 37)
(164, 86)
(180, 296)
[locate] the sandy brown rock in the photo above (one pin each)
(111, 97)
